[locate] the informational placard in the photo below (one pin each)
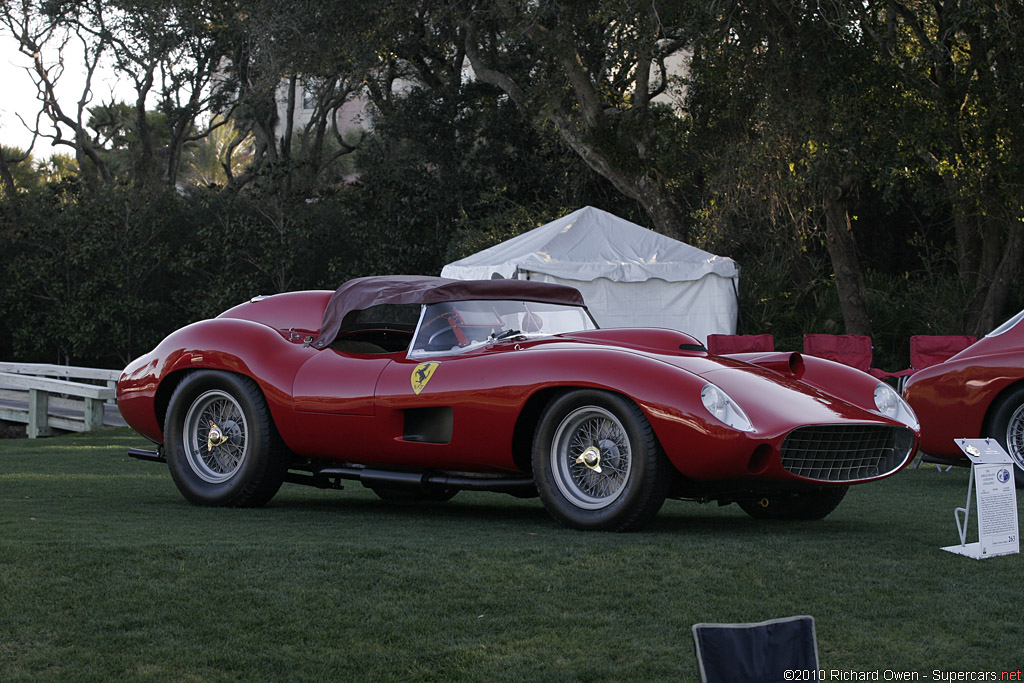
(996, 498)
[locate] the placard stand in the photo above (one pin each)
(996, 497)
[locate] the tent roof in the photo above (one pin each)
(588, 244)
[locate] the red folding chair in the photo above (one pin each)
(927, 350)
(849, 349)
(740, 343)
(854, 350)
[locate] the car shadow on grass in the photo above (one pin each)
(675, 517)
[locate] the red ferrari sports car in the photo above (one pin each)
(419, 387)
(977, 393)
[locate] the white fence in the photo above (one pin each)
(55, 396)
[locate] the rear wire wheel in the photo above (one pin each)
(597, 463)
(220, 442)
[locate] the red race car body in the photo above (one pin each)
(419, 387)
(979, 392)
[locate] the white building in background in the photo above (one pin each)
(678, 67)
(355, 115)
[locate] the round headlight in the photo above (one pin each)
(724, 409)
(892, 405)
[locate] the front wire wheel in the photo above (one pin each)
(597, 463)
(1015, 443)
(590, 457)
(1006, 424)
(221, 444)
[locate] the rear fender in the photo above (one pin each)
(230, 345)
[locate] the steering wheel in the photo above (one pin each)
(443, 330)
(449, 322)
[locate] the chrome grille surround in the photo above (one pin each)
(846, 453)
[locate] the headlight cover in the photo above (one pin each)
(724, 409)
(892, 405)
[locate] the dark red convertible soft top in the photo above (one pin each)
(364, 292)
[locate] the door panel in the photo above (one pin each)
(338, 384)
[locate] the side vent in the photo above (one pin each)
(429, 425)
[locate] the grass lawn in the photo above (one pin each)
(107, 573)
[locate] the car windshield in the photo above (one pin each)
(1006, 325)
(460, 326)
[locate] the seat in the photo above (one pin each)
(756, 653)
(740, 343)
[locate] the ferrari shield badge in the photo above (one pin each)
(421, 374)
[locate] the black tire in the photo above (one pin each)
(813, 504)
(617, 487)
(221, 444)
(1006, 425)
(398, 494)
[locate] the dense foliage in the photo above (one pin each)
(862, 162)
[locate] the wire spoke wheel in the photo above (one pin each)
(221, 444)
(597, 463)
(215, 436)
(591, 457)
(1015, 436)
(1006, 425)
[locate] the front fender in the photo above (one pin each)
(841, 381)
(668, 395)
(953, 399)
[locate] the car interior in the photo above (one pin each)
(387, 328)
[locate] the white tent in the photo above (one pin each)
(628, 275)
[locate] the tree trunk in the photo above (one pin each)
(643, 188)
(626, 164)
(5, 174)
(842, 250)
(999, 284)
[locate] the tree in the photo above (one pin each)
(207, 162)
(16, 170)
(593, 71)
(784, 97)
(86, 274)
(447, 172)
(959, 71)
(46, 37)
(291, 53)
(169, 49)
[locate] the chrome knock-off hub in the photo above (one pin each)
(591, 458)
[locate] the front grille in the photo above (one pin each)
(845, 452)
